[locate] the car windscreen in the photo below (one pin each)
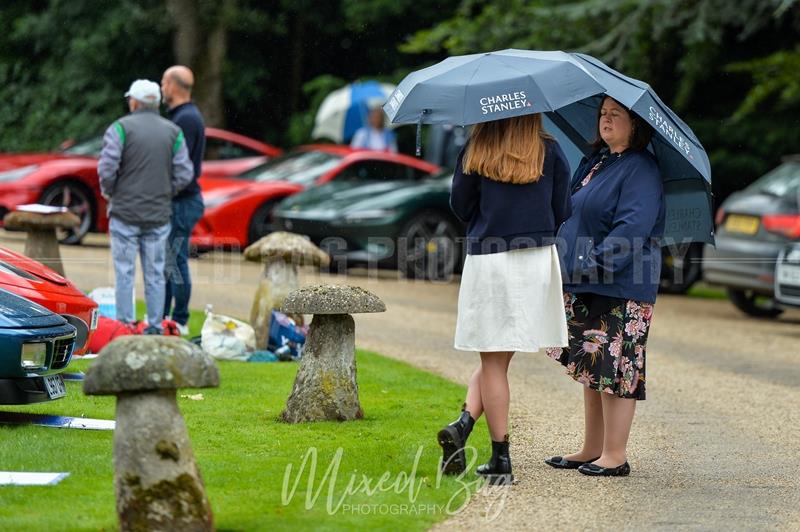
(299, 167)
(781, 182)
(90, 147)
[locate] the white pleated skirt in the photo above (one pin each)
(511, 301)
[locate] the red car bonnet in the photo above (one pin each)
(32, 267)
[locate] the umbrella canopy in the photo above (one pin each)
(682, 160)
(345, 110)
(569, 89)
(475, 88)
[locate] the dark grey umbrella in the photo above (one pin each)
(682, 160)
(470, 89)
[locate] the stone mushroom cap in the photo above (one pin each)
(332, 299)
(149, 363)
(288, 247)
(36, 220)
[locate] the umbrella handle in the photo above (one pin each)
(419, 131)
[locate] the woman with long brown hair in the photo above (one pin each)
(511, 186)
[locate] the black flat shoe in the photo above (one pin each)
(562, 463)
(596, 471)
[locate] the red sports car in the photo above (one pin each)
(38, 283)
(69, 178)
(240, 213)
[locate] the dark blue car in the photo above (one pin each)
(35, 346)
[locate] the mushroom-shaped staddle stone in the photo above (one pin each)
(42, 243)
(281, 253)
(326, 387)
(157, 483)
(150, 363)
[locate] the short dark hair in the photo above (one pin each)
(640, 137)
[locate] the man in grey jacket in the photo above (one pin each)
(143, 164)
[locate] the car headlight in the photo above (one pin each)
(364, 216)
(18, 173)
(33, 355)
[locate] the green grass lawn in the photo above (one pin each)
(243, 451)
(704, 291)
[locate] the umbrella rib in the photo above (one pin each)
(464, 98)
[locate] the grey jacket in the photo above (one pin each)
(143, 164)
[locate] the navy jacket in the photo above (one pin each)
(187, 116)
(611, 243)
(503, 216)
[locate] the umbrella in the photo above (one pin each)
(475, 88)
(568, 88)
(345, 110)
(682, 160)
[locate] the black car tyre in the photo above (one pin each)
(78, 199)
(678, 274)
(261, 222)
(429, 247)
(754, 304)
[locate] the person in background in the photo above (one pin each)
(374, 136)
(613, 261)
(187, 206)
(144, 162)
(511, 186)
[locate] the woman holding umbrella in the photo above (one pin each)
(511, 185)
(613, 259)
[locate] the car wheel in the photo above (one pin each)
(754, 304)
(78, 200)
(678, 274)
(261, 222)
(429, 247)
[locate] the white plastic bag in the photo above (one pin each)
(227, 338)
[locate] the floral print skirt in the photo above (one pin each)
(607, 352)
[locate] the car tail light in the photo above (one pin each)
(784, 224)
(720, 217)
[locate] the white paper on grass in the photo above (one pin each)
(13, 478)
(41, 209)
(89, 424)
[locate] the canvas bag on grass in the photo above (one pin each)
(226, 338)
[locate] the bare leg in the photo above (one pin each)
(494, 392)
(593, 427)
(617, 418)
(473, 401)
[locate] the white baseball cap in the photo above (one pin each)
(145, 91)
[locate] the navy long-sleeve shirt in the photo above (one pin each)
(504, 216)
(611, 243)
(187, 116)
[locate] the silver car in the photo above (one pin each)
(753, 226)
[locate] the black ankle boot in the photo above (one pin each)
(498, 470)
(453, 439)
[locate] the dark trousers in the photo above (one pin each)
(186, 212)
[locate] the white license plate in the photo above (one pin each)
(93, 325)
(54, 386)
(788, 274)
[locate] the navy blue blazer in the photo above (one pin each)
(504, 216)
(611, 243)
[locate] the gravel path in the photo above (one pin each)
(713, 447)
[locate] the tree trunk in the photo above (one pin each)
(202, 44)
(325, 388)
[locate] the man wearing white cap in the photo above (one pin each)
(143, 164)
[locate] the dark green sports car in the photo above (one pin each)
(406, 223)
